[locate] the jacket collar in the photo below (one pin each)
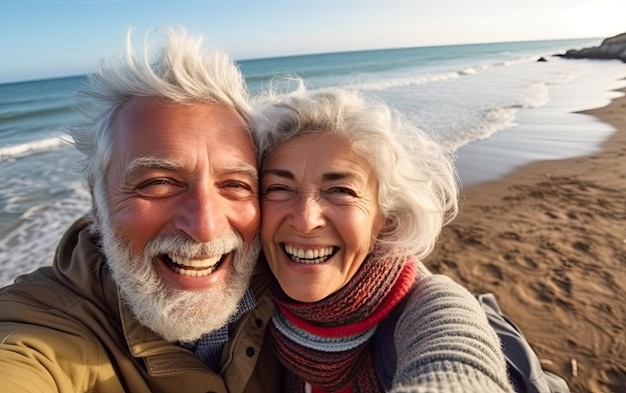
(80, 264)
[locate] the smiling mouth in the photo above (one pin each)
(309, 256)
(192, 267)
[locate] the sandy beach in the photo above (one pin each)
(550, 241)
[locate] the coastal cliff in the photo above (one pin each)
(611, 48)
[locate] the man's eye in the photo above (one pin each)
(238, 184)
(238, 189)
(159, 188)
(154, 182)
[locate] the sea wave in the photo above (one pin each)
(22, 149)
(41, 111)
(481, 126)
(380, 83)
(29, 241)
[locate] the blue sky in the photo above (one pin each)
(49, 38)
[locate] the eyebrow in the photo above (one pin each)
(242, 168)
(151, 163)
(325, 177)
(340, 176)
(279, 172)
(169, 164)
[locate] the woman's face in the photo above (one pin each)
(319, 214)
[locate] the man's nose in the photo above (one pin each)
(308, 214)
(202, 214)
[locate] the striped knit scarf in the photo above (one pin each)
(327, 343)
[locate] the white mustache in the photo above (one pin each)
(184, 246)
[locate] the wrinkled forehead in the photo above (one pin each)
(154, 127)
(323, 156)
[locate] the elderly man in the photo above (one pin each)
(158, 290)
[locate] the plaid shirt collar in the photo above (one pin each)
(209, 347)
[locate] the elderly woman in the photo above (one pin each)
(352, 198)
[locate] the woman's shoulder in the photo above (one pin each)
(438, 289)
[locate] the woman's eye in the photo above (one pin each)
(342, 190)
(276, 192)
(274, 188)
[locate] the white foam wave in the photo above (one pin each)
(537, 97)
(14, 151)
(492, 121)
(468, 71)
(365, 82)
(566, 76)
(29, 242)
(376, 83)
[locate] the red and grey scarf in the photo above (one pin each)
(327, 343)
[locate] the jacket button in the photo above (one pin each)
(258, 322)
(249, 352)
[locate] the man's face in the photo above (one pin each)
(180, 214)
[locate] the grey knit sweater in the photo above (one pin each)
(444, 342)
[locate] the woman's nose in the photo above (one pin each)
(308, 214)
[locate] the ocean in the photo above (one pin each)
(492, 104)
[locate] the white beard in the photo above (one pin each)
(175, 314)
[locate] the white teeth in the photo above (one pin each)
(309, 256)
(194, 267)
(184, 261)
(194, 273)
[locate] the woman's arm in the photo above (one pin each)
(444, 342)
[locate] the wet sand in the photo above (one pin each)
(550, 241)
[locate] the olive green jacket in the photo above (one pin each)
(64, 329)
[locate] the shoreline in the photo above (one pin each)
(549, 239)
